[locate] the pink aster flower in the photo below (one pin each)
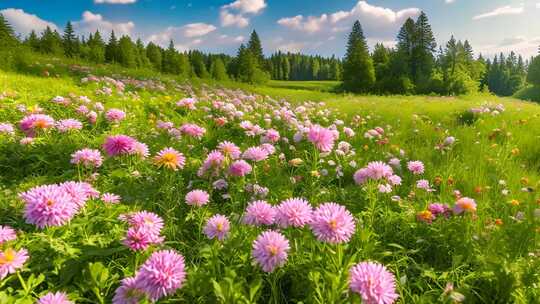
(270, 250)
(239, 168)
(197, 198)
(374, 283)
(259, 213)
(332, 223)
(188, 103)
(34, 122)
(7, 128)
(213, 162)
(218, 226)
(192, 130)
(149, 220)
(170, 159)
(140, 149)
(111, 198)
(465, 205)
(438, 209)
(322, 138)
(7, 234)
(269, 148)
(255, 154)
(80, 192)
(378, 170)
(162, 274)
(140, 238)
(48, 205)
(69, 124)
(54, 298)
(115, 115)
(229, 149)
(295, 212)
(119, 145)
(89, 158)
(271, 136)
(128, 293)
(416, 167)
(11, 260)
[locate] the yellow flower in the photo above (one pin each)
(295, 162)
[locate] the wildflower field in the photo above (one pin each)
(118, 190)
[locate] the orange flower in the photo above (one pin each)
(498, 222)
(514, 202)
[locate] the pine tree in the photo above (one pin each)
(198, 64)
(127, 54)
(153, 53)
(217, 69)
(111, 50)
(255, 47)
(358, 71)
(32, 41)
(50, 42)
(422, 54)
(533, 75)
(70, 41)
(142, 60)
(96, 48)
(7, 36)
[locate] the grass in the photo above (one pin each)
(495, 160)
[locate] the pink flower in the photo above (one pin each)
(197, 198)
(214, 160)
(188, 103)
(115, 115)
(7, 128)
(332, 223)
(48, 205)
(111, 198)
(416, 167)
(80, 192)
(11, 260)
(218, 226)
(119, 145)
(193, 130)
(259, 213)
(66, 125)
(89, 158)
(240, 168)
(271, 136)
(465, 205)
(33, 122)
(128, 293)
(255, 154)
(229, 149)
(295, 212)
(439, 209)
(375, 171)
(54, 298)
(270, 250)
(161, 275)
(322, 138)
(145, 230)
(7, 234)
(374, 283)
(170, 158)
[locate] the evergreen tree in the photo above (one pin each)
(198, 64)
(358, 71)
(70, 41)
(533, 75)
(424, 47)
(255, 47)
(32, 41)
(127, 53)
(111, 50)
(154, 54)
(142, 60)
(50, 42)
(7, 36)
(217, 69)
(96, 47)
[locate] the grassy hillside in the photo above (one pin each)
(487, 254)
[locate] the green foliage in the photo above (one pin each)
(533, 74)
(218, 70)
(7, 36)
(70, 41)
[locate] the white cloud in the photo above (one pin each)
(449, 1)
(228, 19)
(247, 6)
(115, 1)
(91, 22)
(23, 23)
(234, 14)
(538, 5)
(519, 44)
(374, 18)
(197, 29)
(500, 11)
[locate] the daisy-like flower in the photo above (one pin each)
(239, 168)
(69, 124)
(295, 212)
(170, 158)
(259, 213)
(255, 154)
(162, 274)
(128, 293)
(48, 205)
(54, 298)
(115, 115)
(111, 198)
(33, 122)
(193, 130)
(438, 209)
(7, 128)
(332, 223)
(218, 227)
(416, 167)
(11, 260)
(197, 198)
(89, 158)
(374, 283)
(465, 205)
(229, 149)
(140, 238)
(7, 234)
(80, 192)
(271, 136)
(119, 145)
(322, 138)
(270, 250)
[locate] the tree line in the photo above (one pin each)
(414, 66)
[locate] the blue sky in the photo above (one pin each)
(314, 27)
